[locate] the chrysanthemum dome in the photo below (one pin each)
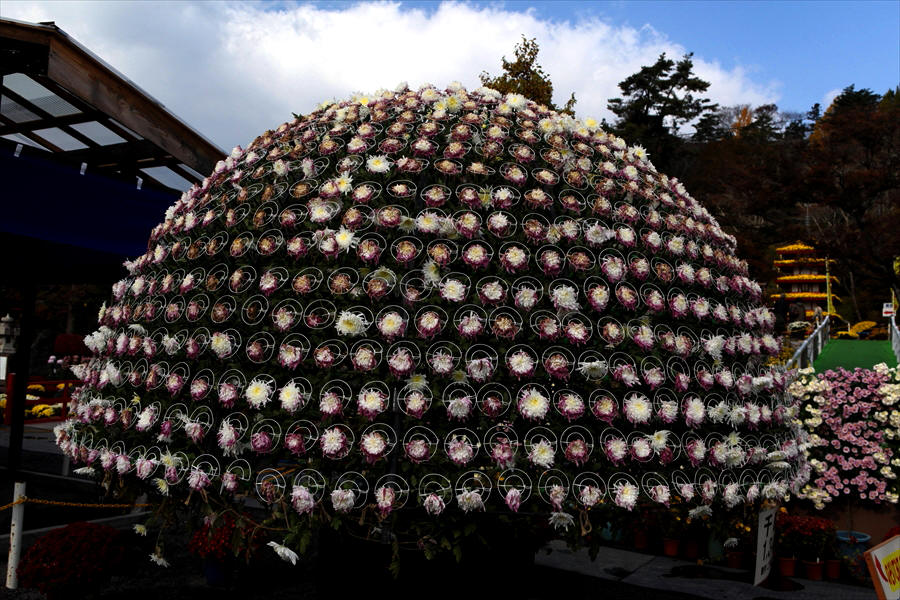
(440, 301)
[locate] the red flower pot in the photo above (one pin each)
(734, 559)
(833, 568)
(670, 547)
(640, 540)
(813, 569)
(787, 566)
(691, 549)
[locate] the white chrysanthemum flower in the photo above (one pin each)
(700, 511)
(470, 500)
(284, 553)
(526, 297)
(373, 444)
(593, 369)
(638, 408)
(659, 439)
(453, 290)
(350, 323)
(718, 412)
(302, 500)
(533, 404)
(345, 239)
(162, 486)
(459, 407)
(417, 382)
(561, 520)
(344, 183)
(391, 324)
(258, 393)
(370, 401)
(146, 418)
(521, 363)
(378, 164)
(565, 297)
(626, 495)
(158, 560)
(432, 272)
(333, 441)
(220, 343)
(290, 397)
(542, 454)
(516, 101)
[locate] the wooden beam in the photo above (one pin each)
(121, 153)
(14, 127)
(98, 85)
(34, 137)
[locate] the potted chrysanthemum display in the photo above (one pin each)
(421, 309)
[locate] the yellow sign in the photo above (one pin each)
(884, 566)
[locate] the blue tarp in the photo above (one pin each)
(52, 202)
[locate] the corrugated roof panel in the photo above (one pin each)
(38, 95)
(97, 132)
(60, 138)
(14, 111)
(168, 177)
(21, 139)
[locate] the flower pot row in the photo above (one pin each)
(813, 570)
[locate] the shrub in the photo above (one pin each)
(76, 558)
(853, 421)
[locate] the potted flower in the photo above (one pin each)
(818, 534)
(672, 526)
(738, 543)
(788, 542)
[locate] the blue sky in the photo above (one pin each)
(234, 69)
(807, 47)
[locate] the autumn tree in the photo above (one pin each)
(853, 181)
(524, 76)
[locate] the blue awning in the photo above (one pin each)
(52, 202)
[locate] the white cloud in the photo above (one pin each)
(829, 97)
(234, 70)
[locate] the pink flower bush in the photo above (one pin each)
(853, 420)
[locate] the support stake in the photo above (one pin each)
(15, 538)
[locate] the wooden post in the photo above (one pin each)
(20, 385)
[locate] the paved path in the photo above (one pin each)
(850, 354)
(679, 577)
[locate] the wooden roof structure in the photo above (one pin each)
(62, 101)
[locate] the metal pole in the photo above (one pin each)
(15, 538)
(20, 385)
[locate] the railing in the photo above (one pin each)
(812, 346)
(895, 337)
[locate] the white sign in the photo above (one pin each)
(887, 309)
(884, 566)
(765, 545)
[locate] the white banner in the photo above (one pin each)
(765, 545)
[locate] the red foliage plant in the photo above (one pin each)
(806, 537)
(77, 557)
(223, 536)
